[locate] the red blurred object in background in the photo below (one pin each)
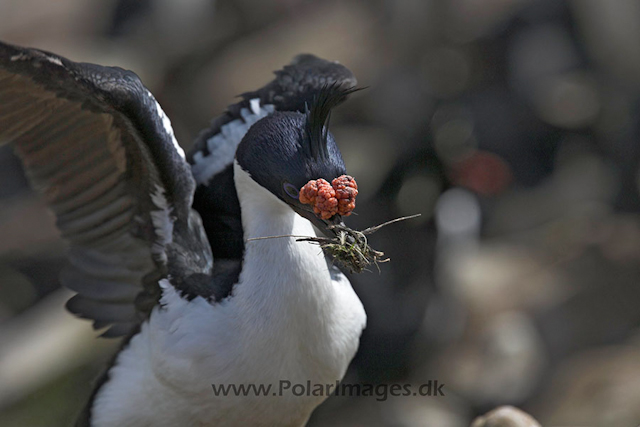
(485, 173)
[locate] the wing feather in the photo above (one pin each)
(97, 145)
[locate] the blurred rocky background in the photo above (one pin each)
(512, 126)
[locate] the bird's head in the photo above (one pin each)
(286, 150)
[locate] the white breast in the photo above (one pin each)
(288, 319)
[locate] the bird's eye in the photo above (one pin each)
(291, 190)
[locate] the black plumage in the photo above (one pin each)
(318, 115)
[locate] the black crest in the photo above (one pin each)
(317, 117)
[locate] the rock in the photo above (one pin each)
(505, 416)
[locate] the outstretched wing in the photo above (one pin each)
(294, 87)
(99, 148)
(211, 157)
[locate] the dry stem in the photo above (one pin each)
(349, 248)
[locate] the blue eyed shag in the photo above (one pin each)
(160, 247)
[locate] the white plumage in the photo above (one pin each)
(289, 318)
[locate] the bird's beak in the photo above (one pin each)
(323, 225)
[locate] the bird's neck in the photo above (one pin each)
(263, 214)
(278, 267)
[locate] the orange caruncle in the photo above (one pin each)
(327, 200)
(346, 192)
